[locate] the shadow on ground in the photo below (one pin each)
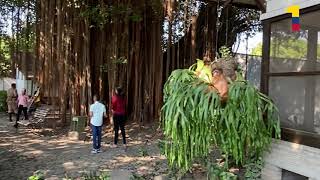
(25, 151)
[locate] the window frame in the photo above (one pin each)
(287, 134)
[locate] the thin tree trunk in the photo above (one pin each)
(193, 38)
(170, 15)
(13, 61)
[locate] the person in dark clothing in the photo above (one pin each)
(12, 96)
(23, 100)
(119, 115)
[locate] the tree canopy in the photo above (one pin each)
(286, 46)
(84, 47)
(17, 30)
(5, 56)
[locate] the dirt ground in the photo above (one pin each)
(24, 151)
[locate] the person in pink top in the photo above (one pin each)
(22, 106)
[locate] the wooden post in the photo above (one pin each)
(309, 103)
(265, 57)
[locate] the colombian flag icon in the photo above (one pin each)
(294, 10)
(295, 24)
(295, 27)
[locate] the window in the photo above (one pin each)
(295, 51)
(298, 100)
(294, 73)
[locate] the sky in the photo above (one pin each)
(252, 43)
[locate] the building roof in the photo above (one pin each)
(276, 7)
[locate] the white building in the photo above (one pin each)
(24, 82)
(5, 83)
(291, 77)
(24, 73)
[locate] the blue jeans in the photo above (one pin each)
(96, 133)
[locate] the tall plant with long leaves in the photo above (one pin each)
(194, 119)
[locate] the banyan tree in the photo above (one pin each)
(86, 47)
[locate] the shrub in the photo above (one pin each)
(3, 101)
(95, 175)
(38, 175)
(194, 120)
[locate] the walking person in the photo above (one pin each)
(119, 115)
(97, 112)
(12, 95)
(22, 106)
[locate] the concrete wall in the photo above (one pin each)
(22, 83)
(26, 84)
(300, 159)
(278, 7)
(5, 83)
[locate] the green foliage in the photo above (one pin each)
(243, 132)
(225, 52)
(19, 17)
(120, 60)
(143, 151)
(101, 15)
(257, 51)
(219, 172)
(156, 6)
(3, 101)
(104, 67)
(26, 39)
(286, 47)
(135, 176)
(175, 80)
(22, 26)
(161, 144)
(96, 14)
(5, 64)
(5, 68)
(135, 17)
(203, 71)
(184, 118)
(253, 169)
(194, 120)
(5, 47)
(38, 175)
(94, 175)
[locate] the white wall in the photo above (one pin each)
(303, 160)
(278, 7)
(22, 83)
(5, 83)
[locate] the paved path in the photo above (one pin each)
(25, 151)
